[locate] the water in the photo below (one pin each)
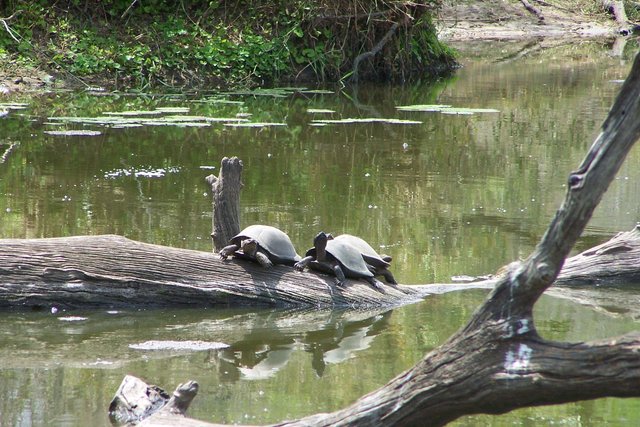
(457, 194)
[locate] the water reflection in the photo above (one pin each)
(453, 195)
(264, 351)
(279, 364)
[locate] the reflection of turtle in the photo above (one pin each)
(339, 258)
(264, 244)
(379, 263)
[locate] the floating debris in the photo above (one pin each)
(116, 121)
(318, 91)
(278, 92)
(445, 109)
(469, 110)
(141, 173)
(83, 132)
(319, 111)
(175, 123)
(179, 345)
(174, 110)
(134, 113)
(72, 318)
(253, 124)
(368, 120)
(217, 101)
(13, 106)
(423, 107)
(467, 113)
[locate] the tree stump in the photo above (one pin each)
(225, 190)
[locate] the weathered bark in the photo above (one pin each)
(112, 271)
(135, 400)
(225, 190)
(614, 262)
(498, 362)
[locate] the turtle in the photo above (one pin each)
(262, 243)
(379, 264)
(339, 258)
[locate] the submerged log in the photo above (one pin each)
(498, 362)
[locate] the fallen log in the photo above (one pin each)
(498, 362)
(113, 271)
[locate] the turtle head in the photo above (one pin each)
(320, 243)
(249, 247)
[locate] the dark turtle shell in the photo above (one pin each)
(368, 253)
(349, 256)
(274, 241)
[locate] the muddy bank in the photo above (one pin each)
(462, 25)
(510, 20)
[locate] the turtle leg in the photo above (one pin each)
(376, 284)
(228, 250)
(337, 270)
(263, 259)
(388, 276)
(300, 265)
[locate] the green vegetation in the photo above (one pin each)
(137, 44)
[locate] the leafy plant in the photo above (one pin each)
(178, 43)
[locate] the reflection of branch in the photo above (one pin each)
(6, 153)
(526, 50)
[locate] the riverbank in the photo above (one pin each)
(510, 20)
(460, 25)
(222, 45)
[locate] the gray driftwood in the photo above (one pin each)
(498, 362)
(225, 191)
(112, 271)
(137, 401)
